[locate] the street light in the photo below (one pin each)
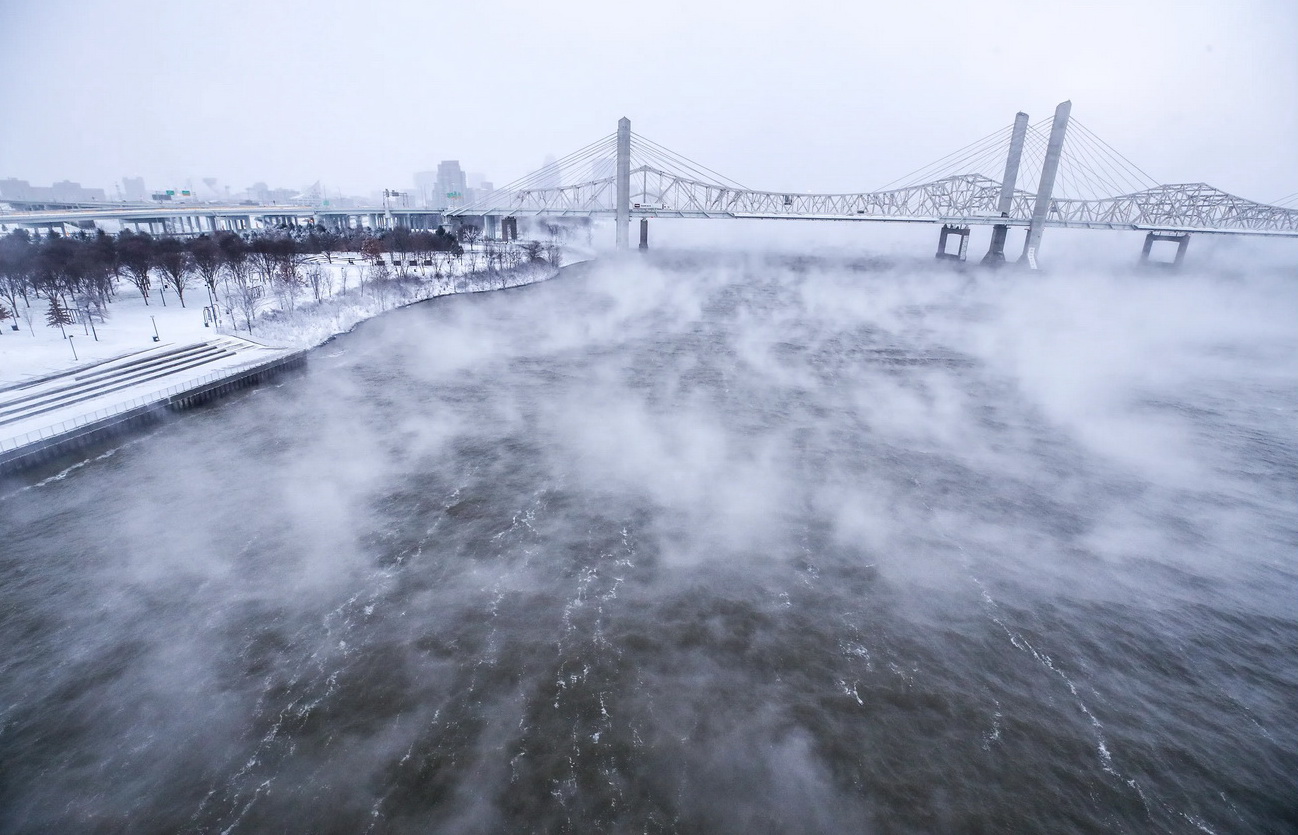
(156, 338)
(71, 341)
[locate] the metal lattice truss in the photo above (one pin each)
(1186, 207)
(659, 187)
(967, 199)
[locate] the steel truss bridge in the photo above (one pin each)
(1082, 183)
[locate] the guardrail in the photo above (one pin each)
(54, 430)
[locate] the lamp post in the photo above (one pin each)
(72, 342)
(156, 338)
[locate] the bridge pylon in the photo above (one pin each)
(623, 208)
(996, 253)
(1041, 208)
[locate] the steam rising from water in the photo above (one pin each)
(694, 543)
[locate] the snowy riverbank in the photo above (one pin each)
(348, 294)
(139, 335)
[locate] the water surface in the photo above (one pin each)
(696, 544)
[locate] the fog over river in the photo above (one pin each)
(695, 542)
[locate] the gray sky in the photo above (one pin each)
(807, 96)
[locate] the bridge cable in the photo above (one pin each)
(660, 161)
(947, 166)
(995, 136)
(696, 167)
(952, 159)
(1151, 181)
(528, 182)
(536, 177)
(1119, 180)
(1083, 154)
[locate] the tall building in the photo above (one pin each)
(603, 169)
(426, 189)
(452, 185)
(133, 189)
(550, 177)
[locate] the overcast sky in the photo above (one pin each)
(807, 96)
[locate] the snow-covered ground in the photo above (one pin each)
(53, 379)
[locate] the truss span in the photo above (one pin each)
(664, 184)
(969, 199)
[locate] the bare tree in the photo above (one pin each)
(468, 235)
(287, 285)
(242, 293)
(380, 283)
(320, 281)
(206, 254)
(136, 252)
(176, 265)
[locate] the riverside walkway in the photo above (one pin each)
(36, 414)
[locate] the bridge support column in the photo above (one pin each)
(644, 233)
(996, 253)
(963, 250)
(1182, 241)
(490, 226)
(1041, 208)
(623, 222)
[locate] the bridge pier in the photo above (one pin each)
(644, 233)
(1182, 241)
(961, 252)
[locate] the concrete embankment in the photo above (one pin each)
(56, 447)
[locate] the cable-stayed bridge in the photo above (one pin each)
(1056, 173)
(1078, 182)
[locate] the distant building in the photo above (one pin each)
(264, 194)
(452, 185)
(550, 178)
(11, 189)
(479, 187)
(133, 189)
(426, 189)
(603, 169)
(64, 191)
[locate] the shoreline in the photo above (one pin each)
(87, 431)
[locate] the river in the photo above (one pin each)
(698, 542)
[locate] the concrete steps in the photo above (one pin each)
(76, 387)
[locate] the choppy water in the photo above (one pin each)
(703, 544)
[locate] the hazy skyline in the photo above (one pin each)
(813, 97)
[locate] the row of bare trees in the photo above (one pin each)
(80, 273)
